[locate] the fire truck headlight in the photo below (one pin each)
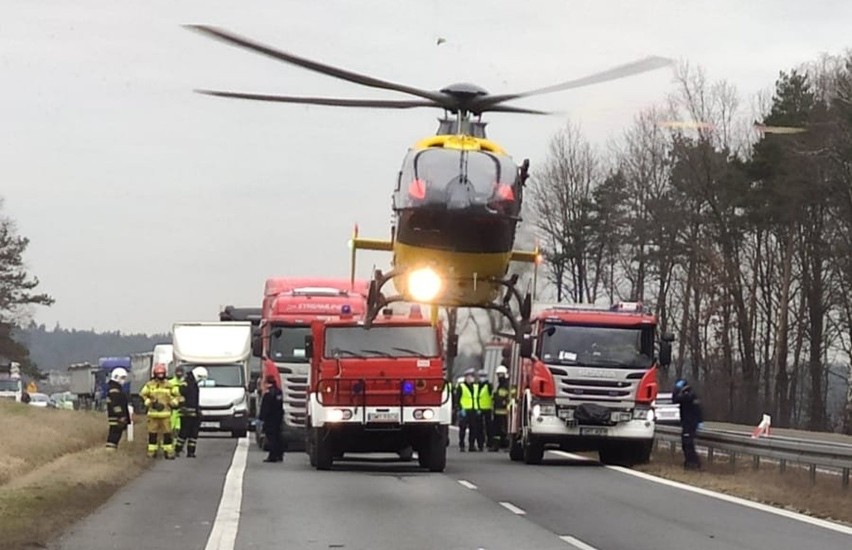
(424, 414)
(643, 414)
(338, 415)
(424, 284)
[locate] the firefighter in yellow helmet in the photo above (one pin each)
(499, 439)
(160, 398)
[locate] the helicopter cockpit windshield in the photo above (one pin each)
(453, 179)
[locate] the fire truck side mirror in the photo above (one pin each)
(452, 345)
(309, 346)
(256, 346)
(526, 347)
(666, 350)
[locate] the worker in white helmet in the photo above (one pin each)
(117, 412)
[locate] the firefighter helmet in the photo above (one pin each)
(200, 373)
(119, 375)
(501, 370)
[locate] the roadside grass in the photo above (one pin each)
(56, 471)
(792, 490)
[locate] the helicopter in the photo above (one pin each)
(457, 199)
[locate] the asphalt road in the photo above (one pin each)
(482, 501)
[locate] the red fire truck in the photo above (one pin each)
(289, 307)
(590, 383)
(381, 389)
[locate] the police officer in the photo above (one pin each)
(691, 419)
(118, 414)
(500, 424)
(190, 412)
(469, 421)
(485, 406)
(272, 416)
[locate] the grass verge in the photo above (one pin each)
(56, 471)
(791, 490)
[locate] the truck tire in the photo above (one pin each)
(640, 452)
(406, 454)
(436, 457)
(238, 433)
(516, 450)
(533, 451)
(310, 446)
(616, 454)
(323, 454)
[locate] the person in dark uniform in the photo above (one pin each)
(117, 412)
(468, 392)
(272, 415)
(499, 439)
(690, 421)
(190, 412)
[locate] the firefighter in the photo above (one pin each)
(117, 411)
(485, 405)
(272, 416)
(690, 421)
(190, 412)
(160, 399)
(176, 381)
(500, 424)
(469, 421)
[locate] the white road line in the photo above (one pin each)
(223, 536)
(721, 496)
(577, 543)
(512, 508)
(467, 484)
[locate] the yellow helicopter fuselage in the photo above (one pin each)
(453, 257)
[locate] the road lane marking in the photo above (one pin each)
(467, 484)
(577, 543)
(223, 536)
(721, 496)
(512, 508)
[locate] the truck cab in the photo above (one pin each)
(289, 307)
(223, 349)
(11, 385)
(590, 383)
(381, 389)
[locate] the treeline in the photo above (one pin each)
(736, 227)
(57, 348)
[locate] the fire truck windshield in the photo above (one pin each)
(410, 341)
(627, 347)
(287, 343)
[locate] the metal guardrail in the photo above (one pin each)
(822, 454)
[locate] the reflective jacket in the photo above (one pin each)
(483, 400)
(188, 389)
(467, 392)
(501, 398)
(159, 391)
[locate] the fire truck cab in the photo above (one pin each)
(289, 306)
(590, 383)
(381, 389)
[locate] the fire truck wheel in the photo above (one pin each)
(436, 455)
(323, 455)
(615, 455)
(533, 451)
(516, 450)
(406, 454)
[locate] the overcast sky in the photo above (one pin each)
(146, 203)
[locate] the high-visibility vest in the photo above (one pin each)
(483, 400)
(466, 399)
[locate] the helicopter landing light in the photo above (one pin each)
(505, 192)
(417, 189)
(424, 284)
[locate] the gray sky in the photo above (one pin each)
(146, 203)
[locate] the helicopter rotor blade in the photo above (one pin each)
(315, 66)
(329, 101)
(521, 110)
(622, 71)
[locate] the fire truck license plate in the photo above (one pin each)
(209, 424)
(383, 417)
(594, 431)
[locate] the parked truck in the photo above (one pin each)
(223, 349)
(590, 384)
(289, 307)
(382, 389)
(253, 315)
(11, 385)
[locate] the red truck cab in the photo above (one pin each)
(381, 389)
